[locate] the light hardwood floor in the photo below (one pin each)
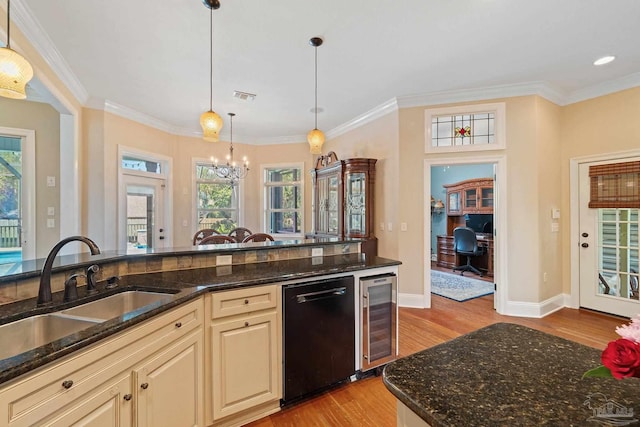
(368, 403)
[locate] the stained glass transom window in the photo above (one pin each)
(464, 129)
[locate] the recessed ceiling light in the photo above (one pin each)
(604, 60)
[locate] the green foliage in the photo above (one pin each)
(601, 372)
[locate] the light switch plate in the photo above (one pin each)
(224, 260)
(389, 226)
(317, 251)
(403, 226)
(51, 211)
(51, 223)
(51, 181)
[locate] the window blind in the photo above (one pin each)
(615, 185)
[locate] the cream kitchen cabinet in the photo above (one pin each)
(99, 385)
(244, 355)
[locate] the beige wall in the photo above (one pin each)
(606, 124)
(45, 121)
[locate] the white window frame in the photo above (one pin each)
(194, 185)
(499, 111)
(266, 209)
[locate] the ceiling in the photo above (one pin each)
(150, 59)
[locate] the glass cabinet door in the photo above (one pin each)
(486, 197)
(470, 198)
(453, 203)
(355, 199)
(333, 206)
(323, 202)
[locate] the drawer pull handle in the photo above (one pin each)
(178, 324)
(246, 301)
(127, 397)
(67, 384)
(246, 324)
(144, 386)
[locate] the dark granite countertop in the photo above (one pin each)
(507, 375)
(185, 285)
(32, 268)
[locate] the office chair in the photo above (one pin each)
(465, 243)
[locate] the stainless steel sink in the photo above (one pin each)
(116, 305)
(26, 334)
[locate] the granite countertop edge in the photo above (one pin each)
(184, 285)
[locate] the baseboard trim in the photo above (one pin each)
(411, 300)
(536, 310)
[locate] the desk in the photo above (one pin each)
(448, 258)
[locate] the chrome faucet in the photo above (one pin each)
(44, 291)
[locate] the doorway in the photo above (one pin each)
(498, 164)
(17, 195)
(608, 249)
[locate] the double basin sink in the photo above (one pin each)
(33, 332)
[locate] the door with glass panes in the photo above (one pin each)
(609, 242)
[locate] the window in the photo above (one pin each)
(142, 165)
(465, 128)
(216, 201)
(284, 198)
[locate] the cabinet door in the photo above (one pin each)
(245, 363)
(355, 204)
(470, 199)
(169, 385)
(333, 205)
(486, 199)
(322, 220)
(109, 406)
(454, 204)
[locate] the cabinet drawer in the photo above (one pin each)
(242, 301)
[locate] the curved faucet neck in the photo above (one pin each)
(44, 291)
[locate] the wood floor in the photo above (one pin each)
(368, 403)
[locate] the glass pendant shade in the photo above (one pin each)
(211, 125)
(15, 73)
(316, 139)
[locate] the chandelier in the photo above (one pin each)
(230, 170)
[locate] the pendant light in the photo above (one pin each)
(210, 121)
(229, 170)
(15, 71)
(316, 136)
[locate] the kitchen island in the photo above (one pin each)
(508, 375)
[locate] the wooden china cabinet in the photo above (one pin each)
(343, 200)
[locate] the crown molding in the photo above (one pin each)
(483, 94)
(375, 113)
(137, 116)
(37, 36)
(611, 86)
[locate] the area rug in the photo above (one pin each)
(458, 288)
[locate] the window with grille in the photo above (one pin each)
(283, 199)
(217, 200)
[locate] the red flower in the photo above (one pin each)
(622, 357)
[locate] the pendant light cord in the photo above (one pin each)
(8, 24)
(231, 139)
(316, 88)
(211, 63)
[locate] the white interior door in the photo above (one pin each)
(608, 255)
(142, 214)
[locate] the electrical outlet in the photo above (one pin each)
(51, 181)
(382, 226)
(317, 251)
(51, 223)
(51, 211)
(403, 226)
(223, 260)
(544, 277)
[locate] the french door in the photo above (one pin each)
(608, 254)
(142, 219)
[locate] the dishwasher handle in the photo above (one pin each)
(314, 296)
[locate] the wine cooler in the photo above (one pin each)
(379, 333)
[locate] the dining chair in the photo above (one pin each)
(258, 237)
(240, 233)
(201, 234)
(217, 239)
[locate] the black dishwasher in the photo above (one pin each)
(319, 336)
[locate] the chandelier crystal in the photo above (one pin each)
(230, 170)
(15, 71)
